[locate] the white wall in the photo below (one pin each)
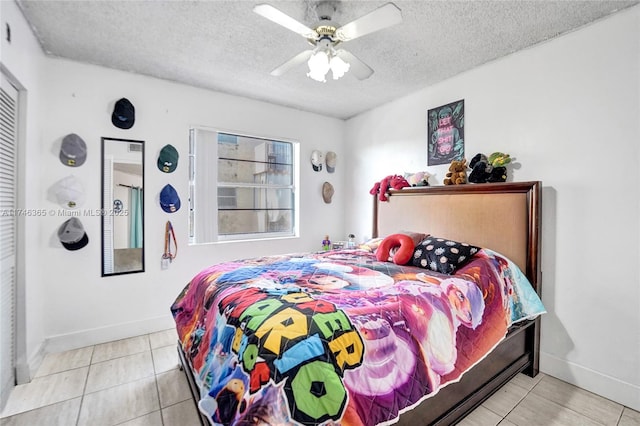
(568, 110)
(79, 98)
(69, 304)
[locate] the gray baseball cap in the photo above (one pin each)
(71, 234)
(73, 150)
(331, 161)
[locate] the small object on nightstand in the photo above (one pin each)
(351, 243)
(326, 243)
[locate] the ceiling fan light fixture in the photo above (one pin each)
(338, 67)
(318, 65)
(325, 37)
(323, 60)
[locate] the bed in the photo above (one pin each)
(344, 338)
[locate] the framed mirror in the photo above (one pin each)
(122, 206)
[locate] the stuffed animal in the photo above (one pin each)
(480, 169)
(418, 178)
(491, 169)
(498, 174)
(457, 174)
(499, 159)
(391, 181)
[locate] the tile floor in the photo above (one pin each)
(136, 382)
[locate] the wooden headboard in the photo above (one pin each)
(504, 217)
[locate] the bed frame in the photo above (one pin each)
(504, 217)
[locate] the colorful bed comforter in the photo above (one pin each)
(338, 337)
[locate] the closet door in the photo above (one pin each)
(8, 227)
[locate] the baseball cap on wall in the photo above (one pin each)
(317, 158)
(331, 161)
(327, 192)
(168, 159)
(72, 235)
(169, 200)
(69, 192)
(124, 114)
(73, 150)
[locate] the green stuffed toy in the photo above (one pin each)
(499, 159)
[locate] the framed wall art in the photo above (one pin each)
(445, 133)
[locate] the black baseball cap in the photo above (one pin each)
(124, 114)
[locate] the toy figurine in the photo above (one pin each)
(326, 243)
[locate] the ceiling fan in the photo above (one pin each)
(326, 36)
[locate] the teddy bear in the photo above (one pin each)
(391, 181)
(489, 169)
(457, 174)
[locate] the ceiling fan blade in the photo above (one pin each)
(358, 68)
(281, 18)
(383, 17)
(300, 58)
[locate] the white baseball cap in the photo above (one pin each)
(317, 158)
(69, 192)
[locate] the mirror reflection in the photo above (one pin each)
(122, 206)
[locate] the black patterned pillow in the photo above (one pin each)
(442, 255)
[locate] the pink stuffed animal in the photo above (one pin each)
(391, 181)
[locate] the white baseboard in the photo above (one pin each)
(26, 368)
(608, 387)
(95, 336)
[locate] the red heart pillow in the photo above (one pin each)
(404, 245)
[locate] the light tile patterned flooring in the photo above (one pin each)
(136, 382)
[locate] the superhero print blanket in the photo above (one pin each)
(339, 337)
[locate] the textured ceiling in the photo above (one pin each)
(224, 46)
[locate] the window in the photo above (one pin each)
(242, 187)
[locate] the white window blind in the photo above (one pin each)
(108, 266)
(8, 226)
